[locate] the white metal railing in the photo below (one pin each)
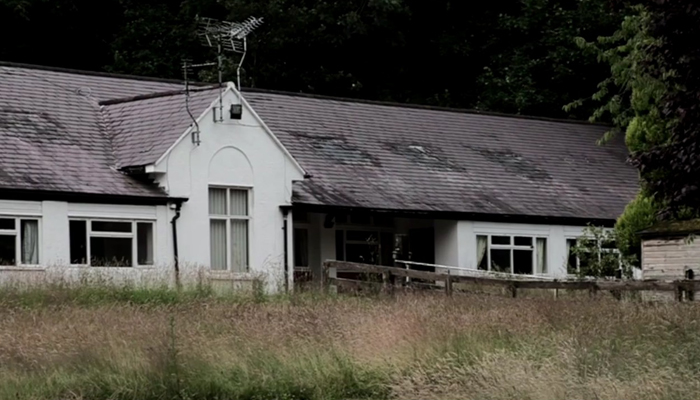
(477, 272)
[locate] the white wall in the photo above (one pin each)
(54, 243)
(233, 153)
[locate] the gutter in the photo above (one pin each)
(178, 206)
(285, 229)
(460, 215)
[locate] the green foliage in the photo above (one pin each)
(630, 95)
(598, 256)
(638, 215)
(536, 63)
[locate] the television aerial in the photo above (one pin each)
(224, 36)
(228, 36)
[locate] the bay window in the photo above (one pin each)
(525, 255)
(109, 243)
(229, 218)
(19, 241)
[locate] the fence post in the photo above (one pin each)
(448, 284)
(593, 291)
(387, 282)
(513, 290)
(690, 293)
(325, 279)
(679, 291)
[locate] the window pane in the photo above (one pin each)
(144, 243)
(217, 202)
(340, 245)
(7, 224)
(239, 202)
(523, 241)
(218, 240)
(30, 241)
(301, 248)
(109, 226)
(500, 260)
(522, 262)
(363, 253)
(571, 267)
(110, 252)
(500, 239)
(239, 245)
(362, 236)
(78, 242)
(8, 249)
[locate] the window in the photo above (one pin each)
(301, 247)
(19, 240)
(229, 217)
(576, 263)
(364, 246)
(103, 243)
(525, 255)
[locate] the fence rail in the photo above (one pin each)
(684, 289)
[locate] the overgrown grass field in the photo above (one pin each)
(101, 343)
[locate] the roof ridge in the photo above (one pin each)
(422, 107)
(154, 95)
(73, 71)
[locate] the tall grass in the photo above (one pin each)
(126, 343)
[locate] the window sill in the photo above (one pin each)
(240, 276)
(140, 267)
(22, 268)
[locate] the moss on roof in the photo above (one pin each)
(673, 228)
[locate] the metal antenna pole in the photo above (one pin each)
(186, 67)
(240, 63)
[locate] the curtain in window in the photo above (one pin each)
(239, 202)
(218, 244)
(30, 242)
(217, 201)
(481, 252)
(542, 255)
(239, 245)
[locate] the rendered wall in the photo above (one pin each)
(237, 154)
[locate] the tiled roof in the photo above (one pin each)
(371, 155)
(53, 136)
(143, 129)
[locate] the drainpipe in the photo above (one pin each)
(285, 228)
(178, 206)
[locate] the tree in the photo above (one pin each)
(652, 95)
(535, 65)
(670, 169)
(501, 55)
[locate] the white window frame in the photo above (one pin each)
(89, 233)
(18, 239)
(600, 250)
(513, 247)
(228, 219)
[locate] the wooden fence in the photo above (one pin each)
(362, 275)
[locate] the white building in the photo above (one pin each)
(109, 175)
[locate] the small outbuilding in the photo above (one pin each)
(670, 249)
